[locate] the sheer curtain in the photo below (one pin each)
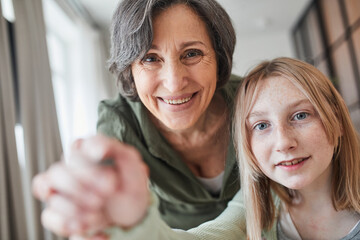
(19, 211)
(12, 216)
(82, 59)
(91, 84)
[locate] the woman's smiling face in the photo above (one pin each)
(287, 137)
(176, 79)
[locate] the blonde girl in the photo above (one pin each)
(295, 138)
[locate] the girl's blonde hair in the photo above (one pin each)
(256, 187)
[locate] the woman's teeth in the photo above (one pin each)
(177, 101)
(292, 162)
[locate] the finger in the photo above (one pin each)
(101, 180)
(127, 157)
(100, 148)
(129, 203)
(93, 220)
(64, 182)
(85, 221)
(40, 187)
(59, 224)
(62, 205)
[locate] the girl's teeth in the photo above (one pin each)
(292, 162)
(177, 101)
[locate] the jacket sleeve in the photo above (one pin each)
(230, 225)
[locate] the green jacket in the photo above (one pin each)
(229, 225)
(183, 201)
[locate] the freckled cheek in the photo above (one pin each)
(315, 136)
(260, 150)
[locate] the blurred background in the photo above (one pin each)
(53, 73)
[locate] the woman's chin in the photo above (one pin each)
(178, 126)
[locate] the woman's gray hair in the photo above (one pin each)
(132, 36)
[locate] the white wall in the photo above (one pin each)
(260, 47)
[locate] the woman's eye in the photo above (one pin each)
(150, 58)
(192, 56)
(193, 53)
(261, 126)
(301, 116)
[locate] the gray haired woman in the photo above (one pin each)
(181, 123)
(173, 61)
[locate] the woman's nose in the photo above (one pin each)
(285, 139)
(174, 76)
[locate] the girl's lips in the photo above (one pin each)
(292, 162)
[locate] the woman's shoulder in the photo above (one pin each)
(234, 82)
(118, 104)
(116, 117)
(228, 91)
(235, 78)
(230, 88)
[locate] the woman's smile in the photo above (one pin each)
(177, 100)
(178, 104)
(176, 80)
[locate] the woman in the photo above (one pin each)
(173, 60)
(171, 66)
(299, 157)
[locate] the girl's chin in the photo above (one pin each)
(293, 185)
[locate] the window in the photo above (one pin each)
(60, 34)
(75, 51)
(328, 36)
(8, 10)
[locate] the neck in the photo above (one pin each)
(203, 146)
(314, 215)
(317, 194)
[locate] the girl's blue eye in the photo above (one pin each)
(301, 116)
(261, 126)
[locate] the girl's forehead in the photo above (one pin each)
(276, 91)
(277, 87)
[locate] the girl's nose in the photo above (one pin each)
(285, 139)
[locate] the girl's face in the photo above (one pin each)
(176, 79)
(287, 136)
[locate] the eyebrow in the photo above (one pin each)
(295, 104)
(182, 45)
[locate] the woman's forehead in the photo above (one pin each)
(179, 21)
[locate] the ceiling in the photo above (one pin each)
(249, 16)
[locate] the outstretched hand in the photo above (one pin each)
(84, 196)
